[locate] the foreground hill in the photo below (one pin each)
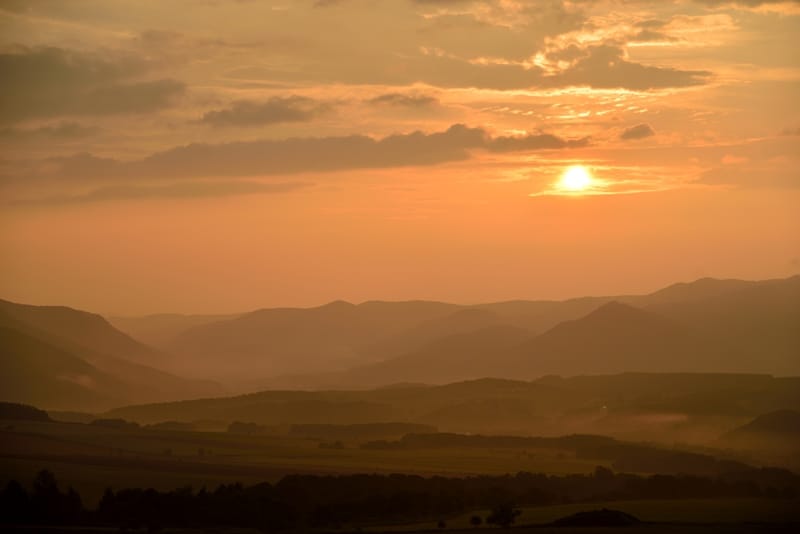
(62, 358)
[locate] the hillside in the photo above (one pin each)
(77, 329)
(73, 360)
(272, 342)
(160, 329)
(775, 431)
(759, 321)
(615, 337)
(706, 325)
(34, 372)
(696, 407)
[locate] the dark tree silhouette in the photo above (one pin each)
(503, 515)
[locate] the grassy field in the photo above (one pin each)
(92, 458)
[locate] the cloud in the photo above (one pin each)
(188, 190)
(296, 155)
(647, 36)
(534, 142)
(54, 82)
(605, 67)
(273, 111)
(61, 131)
(640, 131)
(746, 3)
(404, 100)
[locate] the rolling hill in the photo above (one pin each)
(668, 406)
(774, 431)
(62, 358)
(706, 325)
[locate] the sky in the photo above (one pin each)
(214, 156)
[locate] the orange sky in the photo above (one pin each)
(224, 155)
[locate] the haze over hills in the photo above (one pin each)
(159, 329)
(78, 329)
(705, 326)
(664, 406)
(61, 358)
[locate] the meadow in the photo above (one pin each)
(91, 458)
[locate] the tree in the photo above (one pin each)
(503, 515)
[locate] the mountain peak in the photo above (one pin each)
(337, 305)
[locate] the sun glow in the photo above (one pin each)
(575, 179)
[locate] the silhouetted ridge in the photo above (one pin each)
(699, 289)
(597, 518)
(22, 412)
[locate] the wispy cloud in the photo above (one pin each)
(272, 111)
(53, 82)
(180, 190)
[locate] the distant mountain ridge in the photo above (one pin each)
(706, 325)
(63, 358)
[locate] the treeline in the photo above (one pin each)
(309, 501)
(627, 457)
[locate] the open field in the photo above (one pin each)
(92, 458)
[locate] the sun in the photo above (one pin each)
(575, 179)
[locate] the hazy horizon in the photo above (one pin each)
(532, 298)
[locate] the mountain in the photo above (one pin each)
(705, 325)
(758, 321)
(613, 338)
(277, 341)
(303, 347)
(62, 358)
(700, 289)
(456, 357)
(161, 329)
(35, 372)
(460, 321)
(77, 329)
